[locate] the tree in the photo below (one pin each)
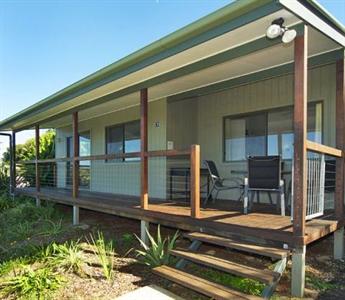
(27, 151)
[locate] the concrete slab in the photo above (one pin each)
(152, 292)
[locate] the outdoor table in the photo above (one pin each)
(185, 173)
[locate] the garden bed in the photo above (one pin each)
(29, 230)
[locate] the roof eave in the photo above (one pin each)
(231, 11)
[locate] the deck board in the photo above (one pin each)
(224, 221)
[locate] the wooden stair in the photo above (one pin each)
(248, 247)
(264, 276)
(215, 290)
(201, 285)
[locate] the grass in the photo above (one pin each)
(23, 226)
(319, 284)
(31, 284)
(67, 256)
(245, 285)
(105, 254)
(21, 222)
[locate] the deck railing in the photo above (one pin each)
(320, 171)
(59, 173)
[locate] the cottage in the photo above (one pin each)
(147, 136)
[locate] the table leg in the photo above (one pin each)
(208, 184)
(171, 185)
(186, 186)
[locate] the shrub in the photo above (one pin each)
(105, 254)
(31, 284)
(128, 239)
(51, 228)
(67, 256)
(158, 252)
(6, 202)
(21, 222)
(14, 266)
(4, 179)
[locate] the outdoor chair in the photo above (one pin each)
(218, 183)
(264, 174)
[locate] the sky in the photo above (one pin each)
(47, 45)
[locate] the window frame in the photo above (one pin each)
(123, 127)
(69, 139)
(266, 112)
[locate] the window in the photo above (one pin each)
(267, 133)
(123, 138)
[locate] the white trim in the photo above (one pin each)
(305, 14)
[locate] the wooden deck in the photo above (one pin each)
(226, 220)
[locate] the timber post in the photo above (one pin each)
(37, 170)
(13, 166)
(144, 160)
(195, 181)
(300, 162)
(75, 179)
(340, 144)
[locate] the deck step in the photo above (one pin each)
(264, 276)
(201, 285)
(268, 251)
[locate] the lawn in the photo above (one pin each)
(42, 256)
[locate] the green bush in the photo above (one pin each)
(27, 151)
(6, 202)
(21, 222)
(67, 256)
(31, 284)
(157, 253)
(4, 179)
(128, 239)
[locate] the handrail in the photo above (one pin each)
(323, 149)
(155, 153)
(41, 161)
(167, 153)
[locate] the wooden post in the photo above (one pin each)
(144, 147)
(340, 139)
(300, 135)
(195, 181)
(75, 179)
(300, 161)
(37, 153)
(11, 161)
(340, 144)
(13, 166)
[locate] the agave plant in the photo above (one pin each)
(158, 251)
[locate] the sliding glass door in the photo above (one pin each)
(267, 132)
(85, 165)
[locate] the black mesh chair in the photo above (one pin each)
(217, 182)
(264, 174)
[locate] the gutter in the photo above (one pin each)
(325, 14)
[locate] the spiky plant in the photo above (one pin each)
(157, 253)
